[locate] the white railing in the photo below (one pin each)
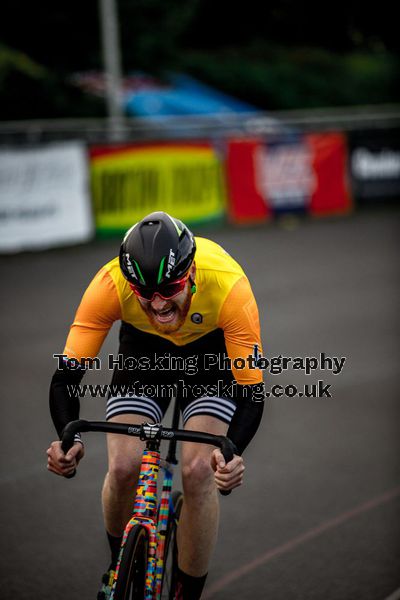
(210, 126)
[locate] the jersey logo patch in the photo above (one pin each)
(196, 318)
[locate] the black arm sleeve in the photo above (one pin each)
(64, 404)
(247, 417)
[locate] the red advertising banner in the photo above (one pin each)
(304, 173)
(331, 194)
(246, 202)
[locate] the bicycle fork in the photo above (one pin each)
(145, 514)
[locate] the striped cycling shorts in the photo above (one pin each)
(150, 371)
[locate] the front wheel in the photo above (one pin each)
(132, 570)
(170, 570)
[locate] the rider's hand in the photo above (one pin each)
(227, 475)
(64, 464)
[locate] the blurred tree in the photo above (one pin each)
(66, 36)
(283, 54)
(151, 30)
(339, 26)
(276, 78)
(31, 91)
(63, 36)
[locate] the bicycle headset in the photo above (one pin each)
(156, 255)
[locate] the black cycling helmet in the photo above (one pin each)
(157, 250)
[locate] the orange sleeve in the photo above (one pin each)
(240, 322)
(99, 308)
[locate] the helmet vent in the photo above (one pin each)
(160, 249)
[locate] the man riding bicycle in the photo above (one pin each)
(189, 321)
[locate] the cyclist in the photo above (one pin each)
(189, 322)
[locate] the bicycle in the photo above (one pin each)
(147, 563)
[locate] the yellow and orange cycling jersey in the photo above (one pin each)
(223, 299)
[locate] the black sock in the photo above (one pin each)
(115, 544)
(188, 587)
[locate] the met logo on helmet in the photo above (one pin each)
(170, 264)
(129, 265)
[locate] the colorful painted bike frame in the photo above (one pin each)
(145, 512)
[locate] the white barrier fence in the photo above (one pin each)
(44, 197)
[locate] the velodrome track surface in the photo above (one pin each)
(319, 516)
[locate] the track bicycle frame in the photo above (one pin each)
(145, 511)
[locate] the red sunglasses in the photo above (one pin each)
(166, 292)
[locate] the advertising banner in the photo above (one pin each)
(375, 165)
(294, 173)
(331, 195)
(285, 174)
(44, 197)
(128, 182)
(247, 203)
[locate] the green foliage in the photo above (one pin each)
(280, 78)
(150, 31)
(30, 91)
(13, 60)
(256, 52)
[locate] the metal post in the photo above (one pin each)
(112, 66)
